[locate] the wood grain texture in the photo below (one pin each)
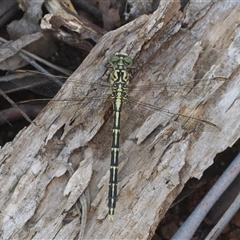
(155, 163)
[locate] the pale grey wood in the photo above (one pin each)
(152, 172)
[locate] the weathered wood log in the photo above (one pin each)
(156, 158)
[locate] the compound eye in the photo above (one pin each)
(128, 61)
(114, 59)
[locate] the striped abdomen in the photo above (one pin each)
(112, 194)
(119, 80)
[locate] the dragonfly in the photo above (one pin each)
(119, 81)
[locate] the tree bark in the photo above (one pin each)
(156, 158)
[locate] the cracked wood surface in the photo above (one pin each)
(36, 189)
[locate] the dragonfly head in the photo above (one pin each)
(120, 59)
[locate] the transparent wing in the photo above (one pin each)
(189, 123)
(47, 86)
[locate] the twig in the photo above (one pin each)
(15, 106)
(225, 219)
(33, 56)
(191, 224)
(40, 68)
